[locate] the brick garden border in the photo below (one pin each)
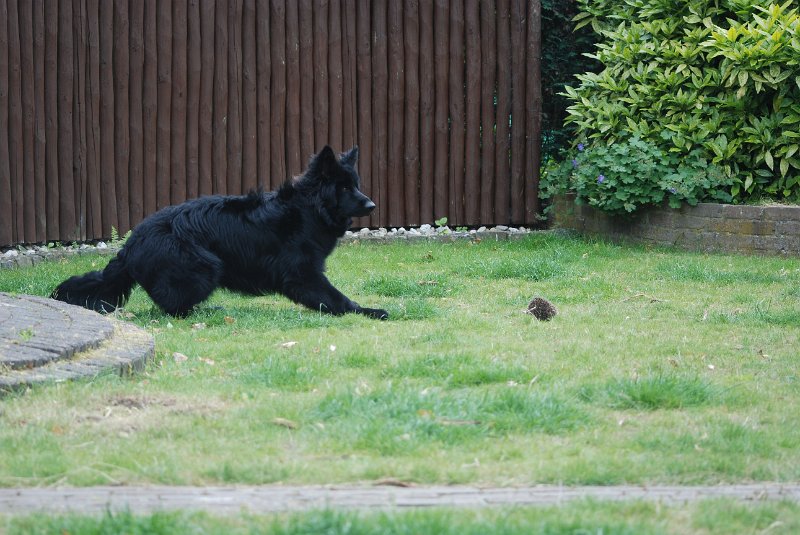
(707, 227)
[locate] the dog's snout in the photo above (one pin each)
(369, 205)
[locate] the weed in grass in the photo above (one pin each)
(428, 286)
(393, 421)
(456, 370)
(359, 360)
(520, 410)
(703, 271)
(529, 268)
(758, 313)
(660, 391)
(402, 420)
(160, 523)
(412, 309)
(283, 372)
(719, 437)
(261, 470)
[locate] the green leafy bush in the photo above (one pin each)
(619, 178)
(714, 81)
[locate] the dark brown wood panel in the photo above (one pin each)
(249, 103)
(7, 234)
(150, 106)
(121, 113)
(92, 107)
(27, 101)
(518, 8)
(277, 22)
(441, 190)
(69, 222)
(455, 212)
(234, 119)
(51, 119)
(411, 160)
(219, 128)
(136, 118)
(39, 138)
(533, 119)
(335, 82)
(307, 76)
(205, 135)
(164, 98)
(293, 160)
(427, 88)
(488, 124)
(472, 145)
(79, 116)
(396, 95)
(502, 165)
(321, 88)
(263, 84)
(15, 145)
(364, 100)
(194, 72)
(349, 116)
(380, 114)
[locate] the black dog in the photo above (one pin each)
(257, 244)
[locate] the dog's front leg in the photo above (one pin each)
(317, 293)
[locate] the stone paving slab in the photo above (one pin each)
(35, 330)
(43, 340)
(275, 498)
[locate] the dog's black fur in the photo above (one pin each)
(256, 244)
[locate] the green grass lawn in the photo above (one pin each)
(709, 517)
(660, 367)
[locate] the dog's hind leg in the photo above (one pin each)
(184, 284)
(179, 297)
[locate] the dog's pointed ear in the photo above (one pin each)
(350, 157)
(324, 163)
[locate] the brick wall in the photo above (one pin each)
(773, 230)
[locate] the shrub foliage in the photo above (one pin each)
(712, 85)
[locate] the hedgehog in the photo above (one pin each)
(541, 309)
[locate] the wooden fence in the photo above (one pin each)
(110, 110)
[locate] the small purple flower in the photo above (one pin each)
(673, 191)
(575, 164)
(601, 179)
(580, 147)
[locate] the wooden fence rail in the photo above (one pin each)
(110, 110)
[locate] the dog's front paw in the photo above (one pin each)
(375, 313)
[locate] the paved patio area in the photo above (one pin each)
(43, 340)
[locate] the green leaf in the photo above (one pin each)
(784, 167)
(743, 76)
(768, 160)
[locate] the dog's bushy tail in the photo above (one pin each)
(101, 291)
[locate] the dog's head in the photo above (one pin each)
(333, 184)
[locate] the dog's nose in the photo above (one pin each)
(369, 206)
